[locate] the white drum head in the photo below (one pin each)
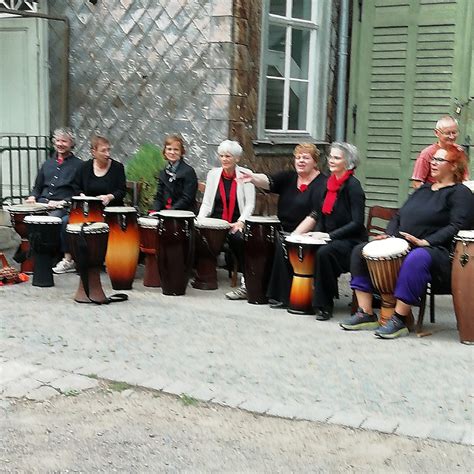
(211, 223)
(305, 240)
(177, 214)
(94, 228)
(469, 184)
(385, 248)
(120, 209)
(42, 220)
(263, 219)
(85, 198)
(25, 208)
(148, 222)
(463, 235)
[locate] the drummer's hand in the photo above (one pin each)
(415, 240)
(55, 204)
(245, 176)
(318, 235)
(30, 200)
(236, 227)
(381, 237)
(106, 198)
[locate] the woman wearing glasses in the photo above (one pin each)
(428, 220)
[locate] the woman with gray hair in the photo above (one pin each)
(338, 219)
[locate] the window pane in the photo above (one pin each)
(278, 7)
(302, 9)
(274, 104)
(276, 51)
(299, 53)
(298, 105)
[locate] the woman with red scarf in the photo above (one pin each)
(226, 197)
(340, 218)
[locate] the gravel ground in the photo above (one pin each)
(118, 428)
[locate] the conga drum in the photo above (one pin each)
(18, 213)
(44, 238)
(259, 248)
(462, 284)
(86, 209)
(148, 229)
(175, 249)
(210, 236)
(384, 260)
(301, 250)
(88, 244)
(123, 248)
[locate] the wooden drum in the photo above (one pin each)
(123, 248)
(148, 229)
(384, 260)
(86, 209)
(462, 284)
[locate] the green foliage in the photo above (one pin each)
(119, 386)
(144, 167)
(188, 400)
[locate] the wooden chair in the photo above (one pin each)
(133, 190)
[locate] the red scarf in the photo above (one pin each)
(228, 206)
(333, 186)
(60, 160)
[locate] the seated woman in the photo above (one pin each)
(428, 220)
(227, 197)
(101, 177)
(177, 183)
(340, 218)
(298, 190)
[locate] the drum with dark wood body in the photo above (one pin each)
(175, 249)
(259, 244)
(210, 236)
(44, 238)
(88, 243)
(123, 248)
(148, 229)
(462, 284)
(86, 209)
(18, 213)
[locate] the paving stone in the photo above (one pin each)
(380, 423)
(72, 382)
(42, 393)
(415, 428)
(13, 370)
(468, 437)
(48, 375)
(351, 419)
(256, 405)
(19, 388)
(314, 413)
(203, 393)
(452, 434)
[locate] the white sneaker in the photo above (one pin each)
(65, 266)
(238, 294)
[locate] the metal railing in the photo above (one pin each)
(20, 159)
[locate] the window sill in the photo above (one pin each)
(284, 144)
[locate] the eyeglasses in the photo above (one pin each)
(448, 134)
(437, 159)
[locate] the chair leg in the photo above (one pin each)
(432, 307)
(421, 314)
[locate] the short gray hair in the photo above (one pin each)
(446, 121)
(351, 154)
(232, 147)
(64, 132)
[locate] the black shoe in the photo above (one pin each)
(278, 305)
(323, 314)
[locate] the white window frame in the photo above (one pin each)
(319, 27)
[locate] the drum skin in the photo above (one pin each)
(259, 245)
(175, 249)
(86, 209)
(462, 284)
(123, 247)
(148, 230)
(44, 237)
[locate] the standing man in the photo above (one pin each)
(447, 132)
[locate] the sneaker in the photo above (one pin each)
(65, 266)
(238, 294)
(394, 328)
(360, 320)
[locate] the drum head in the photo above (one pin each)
(385, 248)
(304, 240)
(177, 214)
(211, 223)
(465, 235)
(26, 208)
(94, 228)
(263, 219)
(148, 222)
(85, 198)
(120, 209)
(42, 220)
(469, 184)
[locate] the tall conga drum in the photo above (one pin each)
(210, 236)
(86, 209)
(123, 248)
(301, 250)
(44, 238)
(175, 249)
(88, 243)
(18, 212)
(384, 260)
(462, 285)
(148, 229)
(259, 247)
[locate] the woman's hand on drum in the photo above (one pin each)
(236, 227)
(56, 204)
(415, 240)
(318, 235)
(245, 177)
(381, 237)
(106, 198)
(30, 200)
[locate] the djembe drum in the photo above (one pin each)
(86, 209)
(384, 260)
(18, 212)
(44, 238)
(148, 229)
(259, 248)
(210, 236)
(462, 284)
(175, 249)
(88, 244)
(301, 250)
(123, 248)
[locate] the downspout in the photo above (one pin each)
(342, 53)
(65, 69)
